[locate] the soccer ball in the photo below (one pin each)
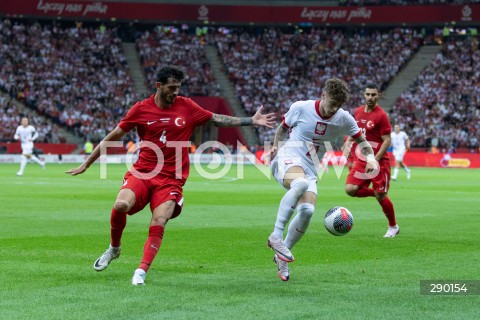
(338, 221)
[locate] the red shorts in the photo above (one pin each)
(156, 190)
(380, 183)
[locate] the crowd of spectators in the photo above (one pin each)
(176, 46)
(10, 117)
(77, 76)
(276, 68)
(441, 109)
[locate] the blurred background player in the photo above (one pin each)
(375, 125)
(301, 142)
(400, 145)
(27, 134)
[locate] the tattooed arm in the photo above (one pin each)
(367, 151)
(221, 120)
(267, 120)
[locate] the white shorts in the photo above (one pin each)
(280, 166)
(27, 148)
(399, 154)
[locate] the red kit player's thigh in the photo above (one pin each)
(356, 176)
(165, 189)
(381, 183)
(140, 188)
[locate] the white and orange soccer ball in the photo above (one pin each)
(338, 221)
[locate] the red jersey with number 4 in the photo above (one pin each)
(374, 125)
(168, 130)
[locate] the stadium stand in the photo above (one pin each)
(275, 68)
(441, 108)
(177, 47)
(77, 76)
(10, 117)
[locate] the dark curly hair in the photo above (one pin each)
(337, 89)
(167, 72)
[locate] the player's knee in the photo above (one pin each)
(380, 196)
(351, 190)
(306, 210)
(122, 206)
(300, 185)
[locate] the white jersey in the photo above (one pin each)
(399, 141)
(25, 134)
(309, 131)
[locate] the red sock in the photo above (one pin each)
(387, 207)
(118, 220)
(155, 236)
(364, 192)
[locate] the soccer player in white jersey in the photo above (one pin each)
(400, 144)
(27, 134)
(300, 142)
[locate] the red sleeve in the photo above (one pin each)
(357, 135)
(385, 128)
(130, 120)
(200, 115)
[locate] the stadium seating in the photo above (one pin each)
(171, 45)
(77, 76)
(441, 106)
(10, 117)
(275, 69)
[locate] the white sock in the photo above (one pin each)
(395, 173)
(299, 224)
(34, 158)
(23, 164)
(288, 204)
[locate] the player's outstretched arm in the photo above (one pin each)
(258, 119)
(115, 135)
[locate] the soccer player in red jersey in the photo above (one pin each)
(374, 123)
(165, 123)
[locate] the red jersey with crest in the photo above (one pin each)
(169, 130)
(374, 125)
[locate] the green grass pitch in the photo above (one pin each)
(214, 263)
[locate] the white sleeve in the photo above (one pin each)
(35, 134)
(16, 136)
(351, 126)
(291, 117)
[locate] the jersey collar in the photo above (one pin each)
(317, 109)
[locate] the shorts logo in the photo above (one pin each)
(287, 162)
(320, 128)
(125, 182)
